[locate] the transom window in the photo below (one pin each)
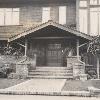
(9, 16)
(54, 46)
(83, 4)
(93, 2)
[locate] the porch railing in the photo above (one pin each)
(83, 63)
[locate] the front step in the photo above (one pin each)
(51, 77)
(51, 72)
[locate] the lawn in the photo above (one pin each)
(77, 85)
(70, 85)
(4, 83)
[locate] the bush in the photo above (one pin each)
(92, 74)
(2, 75)
(5, 70)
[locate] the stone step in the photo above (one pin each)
(48, 67)
(52, 74)
(50, 77)
(53, 71)
(52, 68)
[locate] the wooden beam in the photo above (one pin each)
(50, 23)
(26, 44)
(98, 67)
(20, 44)
(88, 17)
(77, 46)
(77, 14)
(53, 37)
(82, 45)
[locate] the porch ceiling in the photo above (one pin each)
(50, 29)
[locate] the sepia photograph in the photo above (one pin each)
(49, 49)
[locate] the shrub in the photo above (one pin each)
(5, 70)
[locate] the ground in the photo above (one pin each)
(39, 97)
(77, 85)
(69, 84)
(5, 83)
(47, 86)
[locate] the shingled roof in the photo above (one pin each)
(50, 23)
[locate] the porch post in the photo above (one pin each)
(77, 14)
(26, 44)
(98, 67)
(77, 44)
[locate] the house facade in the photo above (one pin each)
(55, 30)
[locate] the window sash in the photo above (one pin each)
(94, 21)
(62, 15)
(9, 16)
(93, 2)
(45, 14)
(83, 20)
(83, 3)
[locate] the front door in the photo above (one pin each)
(54, 55)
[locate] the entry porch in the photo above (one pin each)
(53, 45)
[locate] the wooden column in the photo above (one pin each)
(98, 67)
(88, 17)
(77, 14)
(26, 44)
(77, 47)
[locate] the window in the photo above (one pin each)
(9, 16)
(83, 20)
(93, 2)
(45, 14)
(62, 14)
(94, 21)
(83, 3)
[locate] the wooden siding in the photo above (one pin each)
(31, 14)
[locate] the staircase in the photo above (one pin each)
(51, 73)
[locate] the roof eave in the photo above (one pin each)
(50, 22)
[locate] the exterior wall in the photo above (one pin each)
(45, 54)
(31, 15)
(90, 18)
(71, 14)
(7, 31)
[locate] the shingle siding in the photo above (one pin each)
(32, 14)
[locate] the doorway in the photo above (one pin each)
(54, 55)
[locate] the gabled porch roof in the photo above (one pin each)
(50, 23)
